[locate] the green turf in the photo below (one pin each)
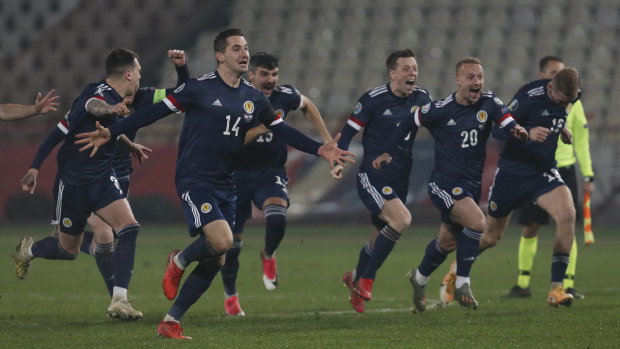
(62, 304)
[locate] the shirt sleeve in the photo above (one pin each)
(581, 139)
(361, 115)
(48, 145)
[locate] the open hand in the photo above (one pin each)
(93, 139)
(334, 155)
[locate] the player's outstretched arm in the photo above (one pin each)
(334, 155)
(138, 150)
(99, 108)
(93, 139)
(42, 105)
(46, 104)
(314, 116)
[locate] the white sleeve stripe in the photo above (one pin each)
(416, 118)
(354, 125)
(506, 122)
(276, 121)
(63, 128)
(171, 106)
(301, 102)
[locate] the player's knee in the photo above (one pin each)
(402, 222)
(221, 244)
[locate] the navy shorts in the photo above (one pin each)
(257, 187)
(74, 203)
(203, 205)
(530, 213)
(510, 190)
(374, 191)
(123, 182)
(444, 191)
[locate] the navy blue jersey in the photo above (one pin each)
(268, 151)
(379, 111)
(532, 107)
(145, 96)
(217, 117)
(75, 167)
(461, 133)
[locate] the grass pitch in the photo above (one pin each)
(63, 304)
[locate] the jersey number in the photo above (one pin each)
(235, 127)
(265, 138)
(557, 125)
(470, 139)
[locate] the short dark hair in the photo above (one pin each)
(263, 60)
(119, 60)
(567, 82)
(391, 60)
(466, 60)
(219, 44)
(546, 59)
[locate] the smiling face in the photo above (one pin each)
(264, 79)
(404, 76)
(236, 56)
(470, 81)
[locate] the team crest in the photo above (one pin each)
(206, 207)
(180, 88)
(414, 109)
(457, 191)
(482, 116)
(248, 106)
(358, 108)
(387, 190)
(67, 222)
(569, 107)
(498, 101)
(280, 113)
(426, 108)
(513, 105)
(492, 205)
